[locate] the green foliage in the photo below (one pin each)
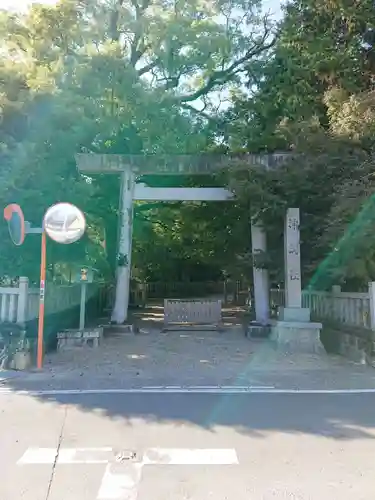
(143, 77)
(314, 98)
(311, 179)
(321, 46)
(121, 78)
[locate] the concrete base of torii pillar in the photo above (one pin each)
(293, 331)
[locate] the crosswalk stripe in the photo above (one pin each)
(121, 480)
(66, 456)
(151, 456)
(38, 456)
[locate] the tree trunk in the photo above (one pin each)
(120, 310)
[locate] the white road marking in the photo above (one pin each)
(207, 387)
(186, 390)
(38, 456)
(188, 456)
(66, 456)
(122, 486)
(140, 390)
(85, 455)
(170, 456)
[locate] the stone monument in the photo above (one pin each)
(293, 329)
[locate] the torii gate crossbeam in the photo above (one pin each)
(145, 193)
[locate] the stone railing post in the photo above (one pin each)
(23, 298)
(335, 305)
(371, 293)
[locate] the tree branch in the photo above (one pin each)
(222, 76)
(198, 112)
(148, 67)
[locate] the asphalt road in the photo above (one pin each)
(187, 446)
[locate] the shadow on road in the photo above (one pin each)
(335, 416)
(206, 359)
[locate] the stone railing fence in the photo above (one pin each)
(14, 302)
(348, 309)
(348, 320)
(20, 304)
(19, 311)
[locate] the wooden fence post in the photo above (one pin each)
(371, 293)
(23, 299)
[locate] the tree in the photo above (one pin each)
(122, 77)
(320, 46)
(313, 98)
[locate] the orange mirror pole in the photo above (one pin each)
(41, 299)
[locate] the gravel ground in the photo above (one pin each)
(193, 358)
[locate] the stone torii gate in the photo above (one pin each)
(132, 167)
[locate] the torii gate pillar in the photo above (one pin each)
(125, 229)
(260, 276)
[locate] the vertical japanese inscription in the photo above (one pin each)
(293, 295)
